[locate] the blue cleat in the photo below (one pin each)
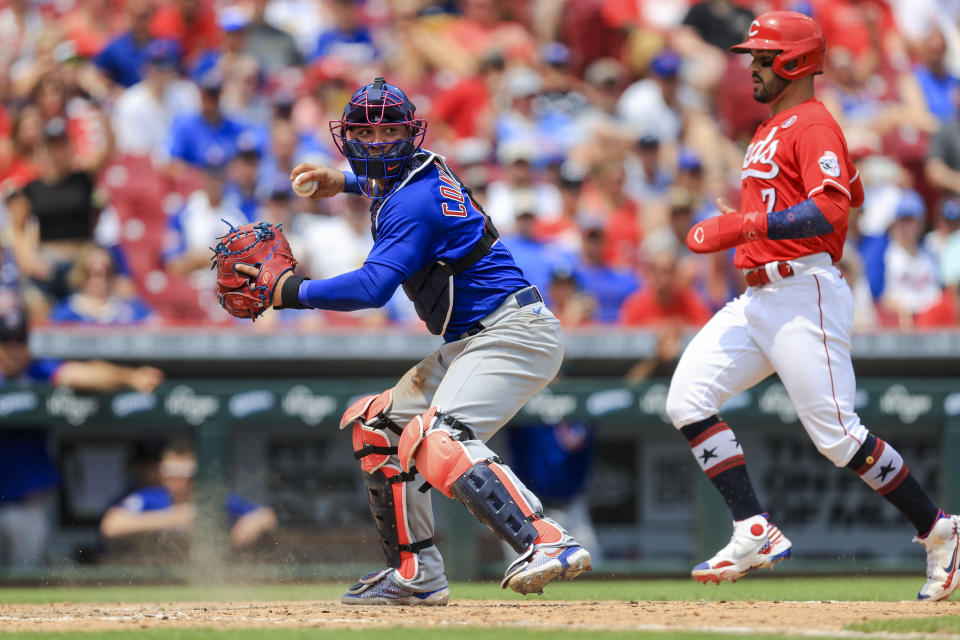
(541, 564)
(377, 588)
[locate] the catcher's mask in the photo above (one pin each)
(378, 103)
(798, 38)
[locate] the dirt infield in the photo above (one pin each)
(772, 617)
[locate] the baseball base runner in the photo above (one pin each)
(796, 316)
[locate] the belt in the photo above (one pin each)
(761, 275)
(525, 297)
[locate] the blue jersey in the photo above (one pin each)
(160, 498)
(25, 456)
(196, 141)
(554, 461)
(426, 219)
(122, 60)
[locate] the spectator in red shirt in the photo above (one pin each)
(465, 110)
(665, 299)
(865, 27)
(192, 23)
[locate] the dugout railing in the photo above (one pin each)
(277, 441)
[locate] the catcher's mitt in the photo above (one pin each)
(261, 245)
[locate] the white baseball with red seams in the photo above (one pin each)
(799, 326)
(303, 187)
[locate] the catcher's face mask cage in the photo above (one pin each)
(798, 38)
(378, 103)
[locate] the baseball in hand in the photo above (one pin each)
(304, 188)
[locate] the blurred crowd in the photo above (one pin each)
(593, 132)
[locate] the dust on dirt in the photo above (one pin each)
(735, 616)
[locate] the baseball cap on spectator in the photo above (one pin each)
(13, 318)
(248, 145)
(519, 150)
(648, 142)
(688, 160)
(680, 200)
(472, 155)
(572, 174)
(281, 190)
(329, 69)
(522, 82)
(666, 64)
(524, 203)
(211, 81)
(555, 54)
(592, 226)
(65, 52)
(910, 206)
(562, 272)
(604, 72)
(164, 54)
(215, 160)
(55, 129)
(951, 209)
(470, 151)
(233, 19)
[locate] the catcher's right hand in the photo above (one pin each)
(329, 181)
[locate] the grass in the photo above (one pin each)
(757, 588)
(945, 624)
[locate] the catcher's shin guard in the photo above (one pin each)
(484, 487)
(485, 496)
(386, 490)
(386, 484)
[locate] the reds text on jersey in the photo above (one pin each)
(794, 156)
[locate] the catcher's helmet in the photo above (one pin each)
(378, 103)
(797, 37)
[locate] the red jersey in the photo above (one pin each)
(794, 156)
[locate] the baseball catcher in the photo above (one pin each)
(501, 346)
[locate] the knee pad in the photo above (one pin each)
(371, 444)
(434, 453)
(386, 490)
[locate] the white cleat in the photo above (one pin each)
(755, 544)
(943, 559)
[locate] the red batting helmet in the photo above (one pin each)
(798, 38)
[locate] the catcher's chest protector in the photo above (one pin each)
(431, 291)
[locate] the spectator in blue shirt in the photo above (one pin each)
(940, 87)
(535, 258)
(244, 172)
(97, 296)
(123, 58)
(348, 38)
(608, 286)
(198, 136)
(167, 512)
(30, 477)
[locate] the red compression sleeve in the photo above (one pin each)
(726, 231)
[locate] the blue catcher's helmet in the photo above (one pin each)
(378, 103)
